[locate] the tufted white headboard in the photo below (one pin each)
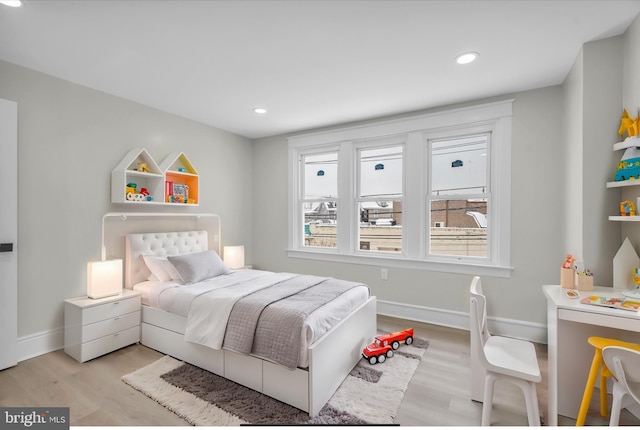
(158, 244)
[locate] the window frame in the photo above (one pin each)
(301, 192)
(493, 118)
(452, 134)
(357, 148)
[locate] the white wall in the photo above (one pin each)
(631, 68)
(536, 197)
(572, 157)
(602, 101)
(592, 101)
(70, 138)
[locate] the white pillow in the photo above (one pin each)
(161, 268)
(198, 266)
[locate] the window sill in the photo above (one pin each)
(403, 263)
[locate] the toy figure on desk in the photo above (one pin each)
(634, 292)
(568, 261)
(567, 272)
(636, 276)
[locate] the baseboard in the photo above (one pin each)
(40, 343)
(502, 326)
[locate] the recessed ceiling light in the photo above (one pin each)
(11, 3)
(467, 57)
(260, 110)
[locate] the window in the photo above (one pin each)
(429, 191)
(319, 199)
(379, 198)
(458, 196)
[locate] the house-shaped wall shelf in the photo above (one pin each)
(139, 179)
(181, 179)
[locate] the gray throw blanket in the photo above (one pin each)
(268, 323)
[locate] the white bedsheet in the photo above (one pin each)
(223, 291)
(144, 288)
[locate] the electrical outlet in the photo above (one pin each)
(384, 274)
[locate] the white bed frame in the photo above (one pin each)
(331, 357)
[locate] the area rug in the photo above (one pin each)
(370, 394)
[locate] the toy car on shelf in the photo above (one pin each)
(384, 345)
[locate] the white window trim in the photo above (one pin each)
(493, 116)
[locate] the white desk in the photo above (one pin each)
(569, 324)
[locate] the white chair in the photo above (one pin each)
(503, 358)
(624, 364)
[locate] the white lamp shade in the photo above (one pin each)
(234, 256)
(104, 278)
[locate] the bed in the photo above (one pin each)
(305, 375)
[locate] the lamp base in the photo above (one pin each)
(103, 295)
(634, 293)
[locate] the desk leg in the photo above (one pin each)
(552, 357)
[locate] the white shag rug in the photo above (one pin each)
(370, 394)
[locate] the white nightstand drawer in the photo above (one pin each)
(110, 310)
(110, 326)
(109, 343)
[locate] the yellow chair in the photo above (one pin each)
(597, 365)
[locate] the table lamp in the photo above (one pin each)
(234, 256)
(104, 278)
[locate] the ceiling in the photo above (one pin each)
(309, 63)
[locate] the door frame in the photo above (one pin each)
(9, 234)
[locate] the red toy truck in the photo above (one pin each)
(384, 345)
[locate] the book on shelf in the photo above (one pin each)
(613, 302)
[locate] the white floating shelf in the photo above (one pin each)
(624, 218)
(627, 183)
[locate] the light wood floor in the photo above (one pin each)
(437, 396)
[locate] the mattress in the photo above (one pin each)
(176, 298)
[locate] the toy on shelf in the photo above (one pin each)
(629, 165)
(134, 196)
(384, 345)
(629, 125)
(175, 199)
(177, 193)
(627, 208)
(142, 167)
(148, 197)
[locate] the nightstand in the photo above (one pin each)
(94, 327)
